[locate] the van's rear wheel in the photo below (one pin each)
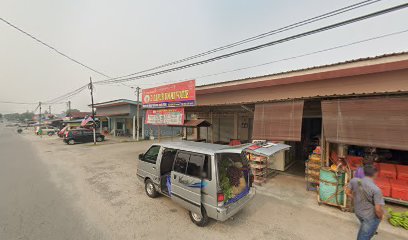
(199, 220)
(150, 189)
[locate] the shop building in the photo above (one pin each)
(355, 104)
(119, 118)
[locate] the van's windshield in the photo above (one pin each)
(233, 175)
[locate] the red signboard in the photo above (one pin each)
(171, 95)
(169, 116)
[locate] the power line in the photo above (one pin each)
(234, 44)
(38, 106)
(293, 37)
(260, 36)
(22, 103)
(302, 55)
(68, 95)
(121, 80)
(52, 48)
(285, 59)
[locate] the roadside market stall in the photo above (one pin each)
(370, 131)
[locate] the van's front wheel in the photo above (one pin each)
(150, 189)
(199, 220)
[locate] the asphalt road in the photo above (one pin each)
(31, 206)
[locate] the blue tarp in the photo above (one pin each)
(168, 184)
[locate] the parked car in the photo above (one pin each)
(45, 130)
(193, 175)
(81, 135)
(61, 133)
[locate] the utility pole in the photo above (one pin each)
(138, 113)
(69, 109)
(90, 86)
(49, 109)
(39, 122)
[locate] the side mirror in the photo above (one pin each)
(141, 156)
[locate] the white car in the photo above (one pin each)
(45, 130)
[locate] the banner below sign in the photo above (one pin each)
(171, 116)
(171, 95)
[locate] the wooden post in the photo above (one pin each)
(134, 128)
(235, 125)
(137, 113)
(158, 132)
(323, 146)
(143, 127)
(327, 153)
(212, 127)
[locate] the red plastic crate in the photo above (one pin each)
(402, 172)
(354, 162)
(385, 186)
(388, 170)
(399, 189)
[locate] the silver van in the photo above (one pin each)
(210, 180)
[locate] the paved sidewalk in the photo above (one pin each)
(292, 189)
(102, 180)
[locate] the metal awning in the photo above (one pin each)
(372, 122)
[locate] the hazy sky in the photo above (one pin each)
(123, 36)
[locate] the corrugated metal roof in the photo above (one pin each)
(116, 102)
(309, 68)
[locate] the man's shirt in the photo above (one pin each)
(365, 197)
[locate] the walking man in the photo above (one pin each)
(368, 202)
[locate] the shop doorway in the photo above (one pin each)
(310, 138)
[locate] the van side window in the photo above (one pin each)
(167, 160)
(207, 167)
(151, 154)
(195, 166)
(180, 164)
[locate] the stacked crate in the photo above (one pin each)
(393, 181)
(312, 172)
(259, 166)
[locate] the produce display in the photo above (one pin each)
(232, 181)
(259, 166)
(398, 219)
(312, 171)
(234, 174)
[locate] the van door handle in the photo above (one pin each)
(154, 168)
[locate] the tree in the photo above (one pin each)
(19, 117)
(1, 115)
(71, 111)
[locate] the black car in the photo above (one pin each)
(81, 136)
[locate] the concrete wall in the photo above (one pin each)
(107, 111)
